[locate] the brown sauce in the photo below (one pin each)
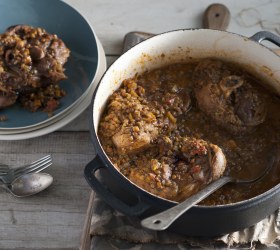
(167, 97)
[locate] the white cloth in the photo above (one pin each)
(113, 230)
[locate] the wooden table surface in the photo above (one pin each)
(54, 219)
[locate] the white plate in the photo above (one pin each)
(67, 116)
(81, 66)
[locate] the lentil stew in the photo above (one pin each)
(175, 129)
(31, 66)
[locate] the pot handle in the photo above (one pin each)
(266, 35)
(108, 196)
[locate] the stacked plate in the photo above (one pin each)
(84, 67)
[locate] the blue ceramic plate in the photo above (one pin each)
(58, 18)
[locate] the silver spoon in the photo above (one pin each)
(163, 220)
(29, 184)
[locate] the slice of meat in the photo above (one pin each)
(126, 144)
(131, 141)
(217, 162)
(40, 43)
(61, 52)
(250, 107)
(228, 99)
(45, 68)
(200, 163)
(212, 102)
(30, 59)
(207, 161)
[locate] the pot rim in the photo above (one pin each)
(150, 196)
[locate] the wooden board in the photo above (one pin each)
(54, 218)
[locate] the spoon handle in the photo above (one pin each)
(4, 186)
(216, 16)
(164, 219)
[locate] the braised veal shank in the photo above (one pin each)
(175, 129)
(31, 66)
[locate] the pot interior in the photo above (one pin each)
(183, 46)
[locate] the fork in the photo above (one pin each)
(4, 168)
(9, 173)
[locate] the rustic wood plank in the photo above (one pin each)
(54, 218)
(85, 238)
